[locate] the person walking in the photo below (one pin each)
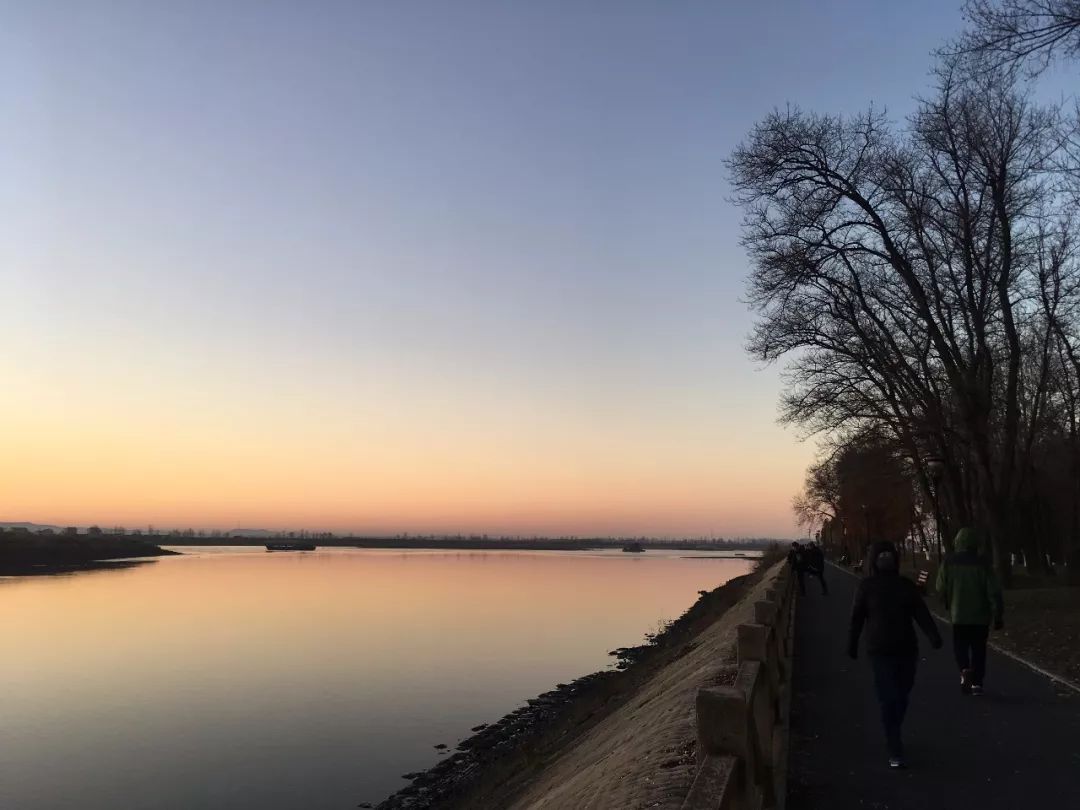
(815, 565)
(889, 605)
(972, 595)
(796, 558)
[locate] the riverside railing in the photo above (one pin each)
(742, 728)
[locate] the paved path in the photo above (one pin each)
(1018, 746)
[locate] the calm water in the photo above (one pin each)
(237, 678)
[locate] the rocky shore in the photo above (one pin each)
(488, 768)
(445, 784)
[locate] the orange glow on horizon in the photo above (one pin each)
(344, 460)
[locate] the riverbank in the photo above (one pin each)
(535, 751)
(24, 554)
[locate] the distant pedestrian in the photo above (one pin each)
(889, 605)
(815, 565)
(972, 595)
(797, 560)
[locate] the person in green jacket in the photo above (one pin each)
(972, 595)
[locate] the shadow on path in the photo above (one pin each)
(1016, 747)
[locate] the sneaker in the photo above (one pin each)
(965, 682)
(896, 763)
(976, 689)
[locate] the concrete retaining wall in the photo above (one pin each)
(743, 729)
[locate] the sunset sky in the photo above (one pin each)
(404, 266)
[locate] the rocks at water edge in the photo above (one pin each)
(479, 756)
(455, 774)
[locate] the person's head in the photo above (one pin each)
(884, 559)
(968, 541)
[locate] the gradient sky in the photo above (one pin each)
(403, 266)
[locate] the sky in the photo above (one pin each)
(404, 266)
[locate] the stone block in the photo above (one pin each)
(723, 721)
(753, 642)
(765, 613)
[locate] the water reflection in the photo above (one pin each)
(13, 573)
(241, 678)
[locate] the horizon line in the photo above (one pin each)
(166, 531)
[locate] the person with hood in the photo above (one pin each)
(972, 595)
(889, 605)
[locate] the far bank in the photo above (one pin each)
(26, 554)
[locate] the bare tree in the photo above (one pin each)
(862, 490)
(819, 501)
(1021, 33)
(903, 271)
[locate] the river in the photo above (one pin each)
(231, 677)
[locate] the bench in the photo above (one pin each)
(921, 579)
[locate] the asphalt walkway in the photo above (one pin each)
(1017, 746)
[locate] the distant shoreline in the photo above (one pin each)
(24, 554)
(472, 544)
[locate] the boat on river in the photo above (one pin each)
(290, 546)
(633, 548)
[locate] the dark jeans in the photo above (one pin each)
(894, 675)
(821, 578)
(802, 572)
(969, 646)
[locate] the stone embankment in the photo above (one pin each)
(723, 709)
(630, 738)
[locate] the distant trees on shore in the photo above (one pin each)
(73, 536)
(924, 283)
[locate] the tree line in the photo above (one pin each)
(923, 282)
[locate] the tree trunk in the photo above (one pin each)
(1072, 553)
(997, 525)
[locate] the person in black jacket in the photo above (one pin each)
(888, 605)
(796, 558)
(815, 564)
